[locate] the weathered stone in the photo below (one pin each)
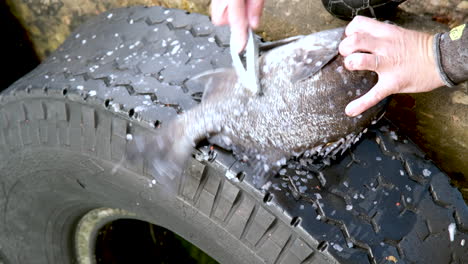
(463, 5)
(450, 12)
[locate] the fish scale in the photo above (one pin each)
(305, 90)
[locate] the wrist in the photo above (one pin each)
(430, 53)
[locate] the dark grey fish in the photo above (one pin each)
(305, 89)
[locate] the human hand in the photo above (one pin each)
(403, 59)
(240, 14)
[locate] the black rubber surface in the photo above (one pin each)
(65, 126)
(347, 9)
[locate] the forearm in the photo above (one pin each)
(451, 55)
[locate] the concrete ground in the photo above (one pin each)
(436, 121)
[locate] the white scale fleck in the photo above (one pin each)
(153, 181)
(109, 16)
(451, 229)
(155, 29)
(426, 173)
(46, 76)
(402, 173)
(129, 137)
(166, 12)
(266, 186)
(338, 247)
(83, 42)
(346, 184)
(80, 87)
(77, 35)
(462, 242)
(319, 63)
(116, 35)
(92, 93)
(175, 49)
(93, 36)
(109, 53)
(131, 21)
(139, 108)
(301, 207)
(349, 207)
(378, 158)
(211, 39)
(408, 199)
(170, 19)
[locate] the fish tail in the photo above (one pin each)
(165, 153)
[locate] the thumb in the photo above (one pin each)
(371, 98)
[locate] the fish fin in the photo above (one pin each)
(314, 52)
(308, 63)
(266, 46)
(215, 82)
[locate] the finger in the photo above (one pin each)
(371, 98)
(238, 22)
(362, 62)
(361, 24)
(254, 10)
(219, 14)
(359, 42)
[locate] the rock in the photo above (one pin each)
(463, 5)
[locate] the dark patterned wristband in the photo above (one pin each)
(438, 60)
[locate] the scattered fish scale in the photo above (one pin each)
(326, 230)
(203, 28)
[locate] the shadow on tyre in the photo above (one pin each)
(134, 241)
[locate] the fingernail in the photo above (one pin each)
(348, 63)
(254, 21)
(350, 111)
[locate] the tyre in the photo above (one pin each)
(347, 9)
(65, 126)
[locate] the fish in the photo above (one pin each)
(299, 112)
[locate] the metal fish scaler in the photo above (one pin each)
(301, 110)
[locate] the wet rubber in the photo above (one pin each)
(65, 126)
